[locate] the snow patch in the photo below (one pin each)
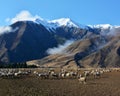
(49, 24)
(63, 22)
(102, 26)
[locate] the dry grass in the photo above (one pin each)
(107, 85)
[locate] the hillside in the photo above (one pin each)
(86, 53)
(45, 43)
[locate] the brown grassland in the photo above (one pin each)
(107, 85)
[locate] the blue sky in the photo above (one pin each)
(80, 11)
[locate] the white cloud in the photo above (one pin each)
(114, 31)
(23, 16)
(60, 49)
(7, 29)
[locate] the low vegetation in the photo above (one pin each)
(16, 65)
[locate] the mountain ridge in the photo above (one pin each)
(32, 39)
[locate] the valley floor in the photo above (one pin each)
(107, 85)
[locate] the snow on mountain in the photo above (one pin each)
(53, 24)
(63, 22)
(49, 25)
(102, 26)
(43, 22)
(106, 29)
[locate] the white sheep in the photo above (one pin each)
(82, 79)
(96, 74)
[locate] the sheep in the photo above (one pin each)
(82, 79)
(87, 73)
(43, 75)
(3, 74)
(62, 75)
(53, 75)
(10, 74)
(96, 74)
(73, 74)
(67, 74)
(35, 72)
(16, 74)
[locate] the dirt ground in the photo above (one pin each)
(107, 85)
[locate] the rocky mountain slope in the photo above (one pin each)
(86, 54)
(29, 40)
(99, 47)
(92, 46)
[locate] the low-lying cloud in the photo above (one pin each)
(60, 49)
(23, 16)
(7, 29)
(114, 31)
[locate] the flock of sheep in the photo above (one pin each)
(12, 73)
(79, 74)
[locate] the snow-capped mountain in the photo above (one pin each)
(31, 39)
(63, 22)
(53, 24)
(45, 23)
(102, 26)
(105, 29)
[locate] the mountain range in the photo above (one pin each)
(60, 43)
